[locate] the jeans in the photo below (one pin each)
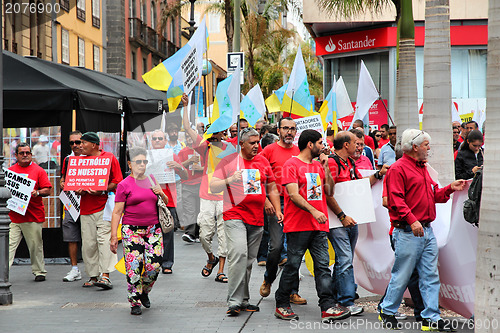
(411, 252)
(264, 243)
(242, 245)
(317, 244)
(276, 245)
(413, 289)
(343, 241)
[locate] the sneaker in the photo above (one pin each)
(442, 325)
(285, 314)
(73, 275)
(355, 310)
(389, 321)
(188, 238)
(400, 316)
(233, 311)
(335, 313)
(135, 310)
(296, 299)
(265, 289)
(40, 278)
(262, 263)
(250, 308)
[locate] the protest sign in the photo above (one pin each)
(190, 71)
(312, 122)
(355, 198)
(157, 165)
(88, 173)
(20, 187)
(71, 202)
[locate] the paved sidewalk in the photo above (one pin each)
(181, 302)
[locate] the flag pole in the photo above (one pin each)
(238, 147)
(291, 104)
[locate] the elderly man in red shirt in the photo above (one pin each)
(412, 197)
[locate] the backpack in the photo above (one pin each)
(473, 204)
(341, 166)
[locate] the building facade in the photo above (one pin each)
(342, 43)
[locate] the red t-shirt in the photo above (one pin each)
(343, 174)
(364, 163)
(209, 155)
(369, 142)
(382, 142)
(310, 178)
(244, 200)
(194, 177)
(91, 204)
(36, 210)
(277, 156)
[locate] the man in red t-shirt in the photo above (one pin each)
(96, 233)
(210, 216)
(368, 139)
(384, 131)
(343, 239)
(308, 183)
(245, 179)
(29, 225)
(277, 154)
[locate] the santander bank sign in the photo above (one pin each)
(354, 41)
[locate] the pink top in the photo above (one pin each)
(140, 202)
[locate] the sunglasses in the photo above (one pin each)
(378, 135)
(27, 153)
(76, 142)
(157, 138)
(416, 136)
(145, 162)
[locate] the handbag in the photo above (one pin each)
(165, 218)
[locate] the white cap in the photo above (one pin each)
(43, 138)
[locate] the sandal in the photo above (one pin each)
(167, 271)
(221, 277)
(104, 283)
(89, 283)
(209, 270)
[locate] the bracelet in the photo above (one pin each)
(378, 175)
(341, 216)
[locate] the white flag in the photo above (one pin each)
(344, 105)
(367, 94)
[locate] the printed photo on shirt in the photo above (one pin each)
(313, 187)
(251, 181)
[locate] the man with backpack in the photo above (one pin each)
(343, 239)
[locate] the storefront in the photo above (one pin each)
(342, 54)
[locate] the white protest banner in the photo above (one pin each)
(20, 187)
(355, 198)
(71, 202)
(190, 71)
(312, 122)
(157, 165)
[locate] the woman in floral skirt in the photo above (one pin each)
(141, 232)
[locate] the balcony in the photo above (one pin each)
(152, 39)
(162, 47)
(138, 32)
(171, 48)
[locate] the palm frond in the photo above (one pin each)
(349, 8)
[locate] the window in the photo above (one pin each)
(64, 5)
(97, 58)
(213, 22)
(134, 66)
(153, 15)
(143, 12)
(80, 9)
(96, 13)
(81, 52)
(172, 31)
(65, 46)
(144, 65)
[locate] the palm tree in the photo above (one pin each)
(406, 106)
(437, 86)
(487, 309)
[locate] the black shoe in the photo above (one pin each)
(442, 325)
(389, 321)
(135, 310)
(144, 298)
(39, 278)
(188, 238)
(250, 308)
(233, 311)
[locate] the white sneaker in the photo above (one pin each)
(400, 316)
(73, 275)
(355, 310)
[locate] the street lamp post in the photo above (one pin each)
(5, 293)
(191, 19)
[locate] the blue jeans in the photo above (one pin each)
(317, 244)
(411, 252)
(343, 241)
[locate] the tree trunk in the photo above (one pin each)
(487, 303)
(437, 87)
(229, 23)
(406, 83)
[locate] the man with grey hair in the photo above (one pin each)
(412, 196)
(245, 178)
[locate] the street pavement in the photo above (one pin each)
(182, 302)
